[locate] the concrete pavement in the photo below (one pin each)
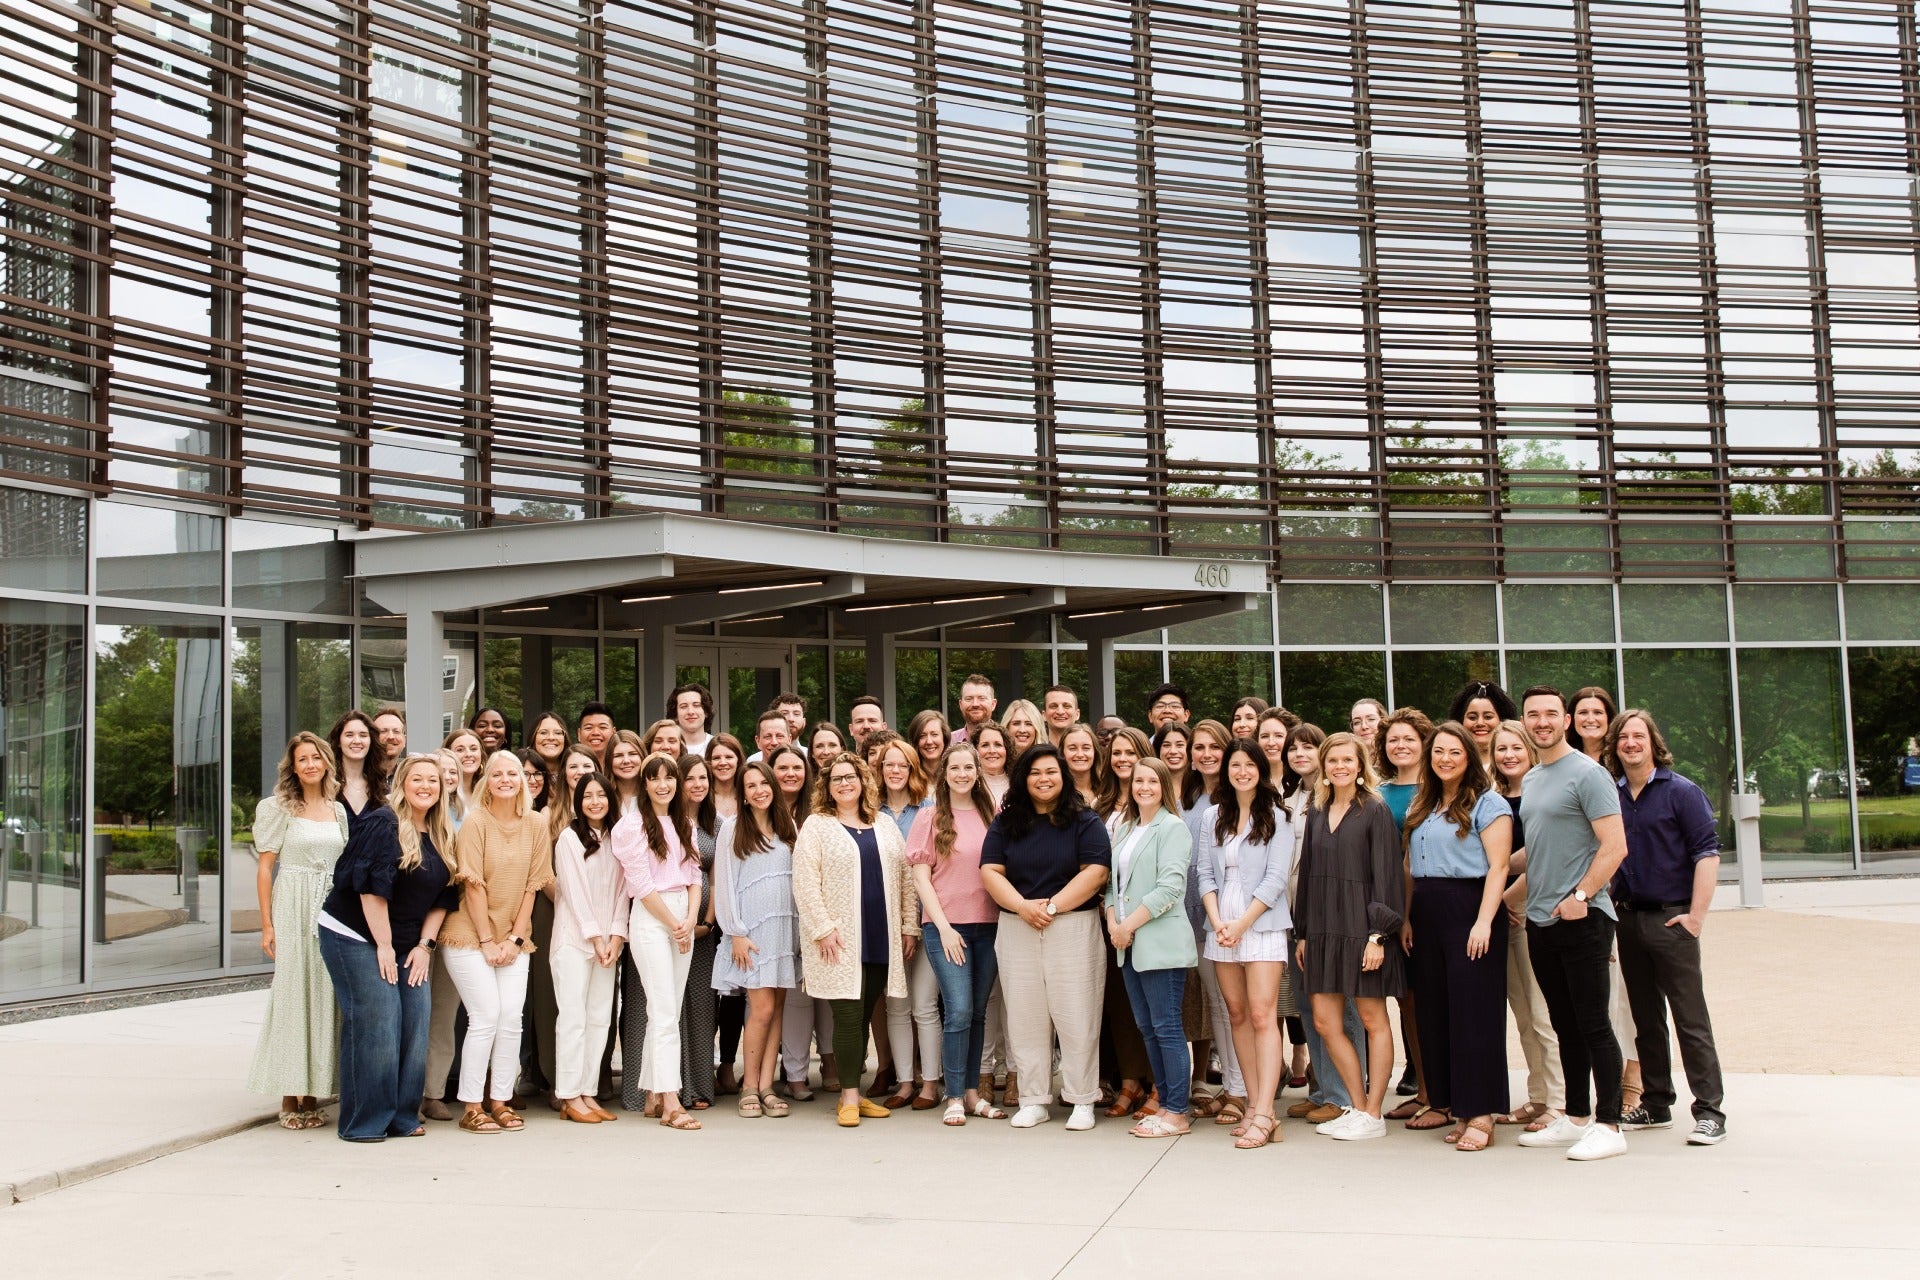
(1811, 998)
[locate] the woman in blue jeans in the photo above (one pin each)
(959, 922)
(377, 935)
(1146, 896)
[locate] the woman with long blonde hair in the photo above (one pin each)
(503, 857)
(392, 889)
(1347, 925)
(301, 828)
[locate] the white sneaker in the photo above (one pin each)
(1082, 1118)
(1359, 1127)
(1598, 1143)
(1029, 1116)
(1563, 1132)
(1328, 1128)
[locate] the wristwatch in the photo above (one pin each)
(1051, 909)
(1580, 895)
(516, 940)
(431, 944)
(1373, 939)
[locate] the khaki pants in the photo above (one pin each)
(440, 1041)
(1546, 1083)
(1053, 982)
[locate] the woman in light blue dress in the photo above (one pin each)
(759, 947)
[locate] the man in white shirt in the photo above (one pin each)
(691, 706)
(771, 734)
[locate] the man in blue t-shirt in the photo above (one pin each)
(1662, 892)
(1575, 842)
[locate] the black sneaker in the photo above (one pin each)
(1645, 1118)
(1708, 1133)
(1409, 1085)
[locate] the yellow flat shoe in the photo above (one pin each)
(872, 1110)
(850, 1116)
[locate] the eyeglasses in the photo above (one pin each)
(839, 778)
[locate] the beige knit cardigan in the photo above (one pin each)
(826, 894)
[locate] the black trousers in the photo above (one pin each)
(731, 1012)
(1570, 960)
(1460, 1004)
(1660, 964)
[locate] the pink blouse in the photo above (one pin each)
(647, 874)
(956, 878)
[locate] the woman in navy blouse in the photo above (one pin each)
(377, 935)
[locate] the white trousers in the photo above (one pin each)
(663, 970)
(915, 1017)
(494, 998)
(583, 995)
(802, 1021)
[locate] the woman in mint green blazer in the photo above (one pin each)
(1146, 919)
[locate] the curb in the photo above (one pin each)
(38, 1185)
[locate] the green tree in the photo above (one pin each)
(133, 699)
(762, 437)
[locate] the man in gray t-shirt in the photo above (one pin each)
(1559, 805)
(1570, 810)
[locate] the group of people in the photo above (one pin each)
(999, 904)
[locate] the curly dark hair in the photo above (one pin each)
(1017, 814)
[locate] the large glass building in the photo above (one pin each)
(515, 352)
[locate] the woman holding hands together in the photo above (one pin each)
(1148, 926)
(1245, 855)
(655, 846)
(858, 914)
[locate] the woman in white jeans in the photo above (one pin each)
(589, 932)
(503, 856)
(655, 847)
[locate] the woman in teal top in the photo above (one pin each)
(1146, 893)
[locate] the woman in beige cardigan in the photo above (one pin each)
(859, 914)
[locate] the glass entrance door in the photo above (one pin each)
(744, 679)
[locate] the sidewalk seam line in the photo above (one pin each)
(42, 1184)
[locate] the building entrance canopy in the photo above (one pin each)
(659, 572)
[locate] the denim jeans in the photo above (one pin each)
(1156, 996)
(964, 989)
(1328, 1087)
(383, 1041)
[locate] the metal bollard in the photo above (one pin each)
(36, 845)
(1746, 844)
(190, 839)
(97, 882)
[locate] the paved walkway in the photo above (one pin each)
(1811, 999)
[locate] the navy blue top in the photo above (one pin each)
(370, 864)
(1040, 863)
(1669, 828)
(873, 898)
(1519, 835)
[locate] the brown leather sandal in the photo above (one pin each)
(1129, 1097)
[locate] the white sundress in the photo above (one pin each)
(1233, 898)
(298, 1053)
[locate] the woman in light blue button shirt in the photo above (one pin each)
(1242, 862)
(1459, 835)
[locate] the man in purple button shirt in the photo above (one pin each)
(1662, 892)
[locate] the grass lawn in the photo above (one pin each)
(1886, 823)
